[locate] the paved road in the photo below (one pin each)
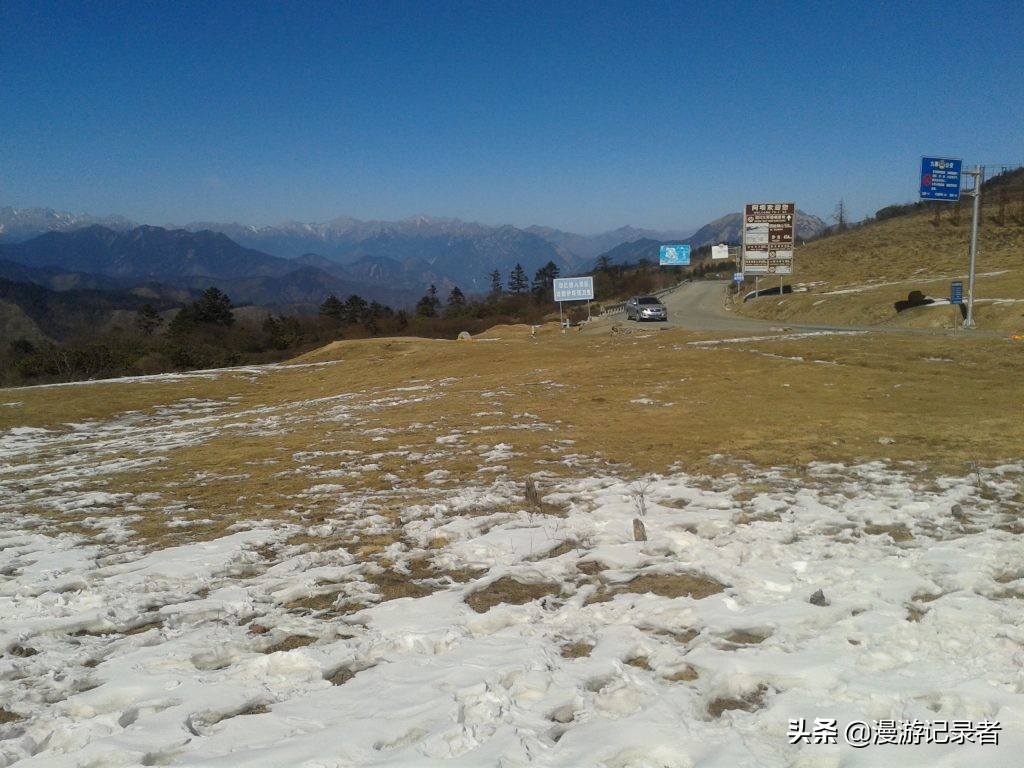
(700, 306)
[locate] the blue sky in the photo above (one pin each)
(579, 115)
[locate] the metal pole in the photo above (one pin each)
(979, 178)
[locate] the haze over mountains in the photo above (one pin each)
(302, 263)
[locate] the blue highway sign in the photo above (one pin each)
(940, 178)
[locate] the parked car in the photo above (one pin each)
(646, 308)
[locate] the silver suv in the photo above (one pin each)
(646, 308)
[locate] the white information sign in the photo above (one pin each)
(719, 252)
(574, 288)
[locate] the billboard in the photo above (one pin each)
(768, 238)
(674, 255)
(940, 178)
(574, 288)
(719, 252)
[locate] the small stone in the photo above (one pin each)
(958, 512)
(818, 598)
(464, 336)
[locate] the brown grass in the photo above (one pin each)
(508, 590)
(746, 703)
(682, 675)
(693, 585)
(290, 643)
(900, 255)
(730, 400)
(6, 716)
(577, 650)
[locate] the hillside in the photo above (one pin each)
(855, 277)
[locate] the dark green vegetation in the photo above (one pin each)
(80, 335)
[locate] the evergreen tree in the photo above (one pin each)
(544, 279)
(356, 309)
(518, 282)
(496, 289)
(147, 319)
(332, 307)
(214, 308)
(427, 306)
(456, 299)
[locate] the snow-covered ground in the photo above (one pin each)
(534, 634)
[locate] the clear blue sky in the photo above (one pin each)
(580, 115)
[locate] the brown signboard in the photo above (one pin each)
(768, 238)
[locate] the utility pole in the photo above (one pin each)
(979, 178)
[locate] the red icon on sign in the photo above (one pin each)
(926, 180)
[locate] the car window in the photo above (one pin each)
(649, 300)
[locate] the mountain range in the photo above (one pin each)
(300, 264)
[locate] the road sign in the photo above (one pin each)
(737, 277)
(940, 178)
(719, 252)
(574, 288)
(956, 292)
(768, 238)
(674, 255)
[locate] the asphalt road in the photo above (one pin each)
(700, 306)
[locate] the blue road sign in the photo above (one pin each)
(674, 255)
(956, 292)
(940, 178)
(737, 277)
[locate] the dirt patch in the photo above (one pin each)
(6, 716)
(577, 650)
(393, 585)
(747, 703)
(640, 662)
(682, 675)
(915, 613)
(290, 644)
(747, 636)
(746, 518)
(508, 590)
(343, 674)
(694, 585)
(898, 532)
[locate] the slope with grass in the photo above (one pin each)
(856, 276)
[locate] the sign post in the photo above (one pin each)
(956, 298)
(979, 178)
(573, 289)
(768, 240)
(940, 178)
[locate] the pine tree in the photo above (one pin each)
(147, 319)
(332, 307)
(496, 289)
(456, 299)
(427, 306)
(214, 307)
(518, 282)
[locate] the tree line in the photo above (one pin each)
(209, 333)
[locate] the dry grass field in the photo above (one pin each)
(643, 402)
